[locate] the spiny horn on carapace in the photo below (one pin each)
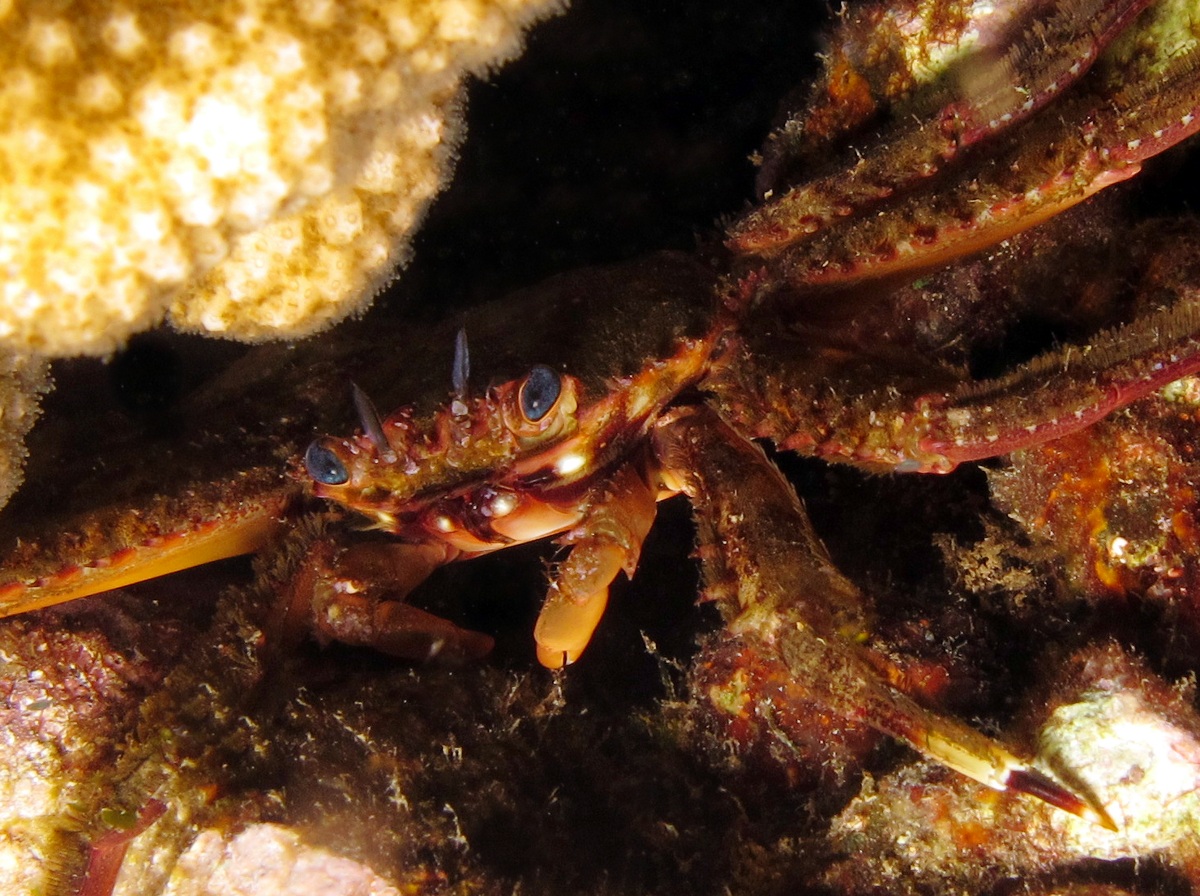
(369, 419)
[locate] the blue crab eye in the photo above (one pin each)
(323, 465)
(539, 392)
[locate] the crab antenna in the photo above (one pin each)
(369, 418)
(462, 364)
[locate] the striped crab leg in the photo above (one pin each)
(921, 426)
(1096, 136)
(991, 90)
(121, 545)
(782, 599)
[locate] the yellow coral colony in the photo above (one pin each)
(249, 167)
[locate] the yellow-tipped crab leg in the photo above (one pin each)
(120, 545)
(784, 600)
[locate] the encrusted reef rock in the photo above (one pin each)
(1127, 737)
(252, 169)
(71, 685)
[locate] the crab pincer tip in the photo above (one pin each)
(1031, 781)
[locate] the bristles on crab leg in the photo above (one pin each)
(1038, 170)
(932, 421)
(994, 89)
(1066, 390)
(784, 601)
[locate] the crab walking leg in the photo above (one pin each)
(778, 589)
(1090, 140)
(993, 90)
(106, 854)
(1062, 392)
(607, 541)
(933, 420)
(121, 546)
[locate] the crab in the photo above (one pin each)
(691, 359)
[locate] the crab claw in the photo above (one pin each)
(607, 541)
(356, 595)
(566, 624)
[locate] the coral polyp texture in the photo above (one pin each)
(23, 379)
(250, 169)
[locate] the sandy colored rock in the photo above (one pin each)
(269, 858)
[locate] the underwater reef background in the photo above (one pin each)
(623, 129)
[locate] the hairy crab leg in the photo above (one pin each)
(1048, 55)
(924, 426)
(1024, 187)
(1094, 139)
(607, 540)
(120, 546)
(1063, 392)
(780, 593)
